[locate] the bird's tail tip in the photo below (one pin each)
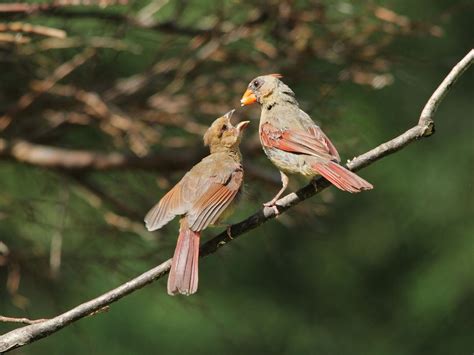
(183, 276)
(342, 178)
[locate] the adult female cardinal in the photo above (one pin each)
(201, 197)
(292, 141)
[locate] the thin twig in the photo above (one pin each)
(4, 319)
(48, 44)
(81, 160)
(16, 38)
(24, 10)
(21, 7)
(31, 333)
(32, 29)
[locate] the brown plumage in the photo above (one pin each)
(201, 197)
(292, 141)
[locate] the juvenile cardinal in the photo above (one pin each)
(292, 141)
(201, 197)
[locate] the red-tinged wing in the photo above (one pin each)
(311, 141)
(217, 197)
(202, 194)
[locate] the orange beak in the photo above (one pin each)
(248, 98)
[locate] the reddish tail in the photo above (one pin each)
(183, 277)
(341, 177)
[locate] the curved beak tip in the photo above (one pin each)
(242, 125)
(229, 114)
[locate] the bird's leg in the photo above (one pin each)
(229, 231)
(272, 203)
(228, 227)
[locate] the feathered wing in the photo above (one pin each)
(216, 198)
(313, 142)
(202, 194)
(171, 205)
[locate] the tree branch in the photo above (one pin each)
(21, 7)
(4, 319)
(80, 160)
(76, 161)
(424, 128)
(165, 27)
(62, 10)
(32, 29)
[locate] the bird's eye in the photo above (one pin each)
(224, 128)
(255, 83)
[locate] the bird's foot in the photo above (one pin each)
(229, 232)
(272, 204)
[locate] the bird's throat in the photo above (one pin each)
(233, 152)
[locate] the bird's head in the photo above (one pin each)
(262, 88)
(223, 135)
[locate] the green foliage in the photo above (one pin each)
(383, 272)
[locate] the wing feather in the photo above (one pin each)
(311, 141)
(166, 209)
(203, 194)
(214, 201)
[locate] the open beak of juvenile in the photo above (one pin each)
(248, 98)
(242, 125)
(229, 114)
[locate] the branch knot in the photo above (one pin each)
(427, 125)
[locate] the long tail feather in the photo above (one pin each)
(341, 177)
(183, 277)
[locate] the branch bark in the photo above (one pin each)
(75, 161)
(4, 319)
(424, 128)
(25, 10)
(81, 160)
(63, 12)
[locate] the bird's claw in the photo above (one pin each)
(229, 232)
(273, 206)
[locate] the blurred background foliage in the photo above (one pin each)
(123, 90)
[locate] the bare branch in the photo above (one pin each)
(21, 7)
(23, 10)
(431, 106)
(424, 128)
(68, 159)
(30, 333)
(14, 38)
(32, 29)
(74, 42)
(4, 319)
(60, 10)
